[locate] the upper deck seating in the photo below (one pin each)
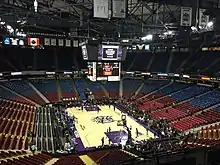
(6, 94)
(112, 88)
(67, 88)
(48, 88)
(130, 86)
(23, 88)
(81, 87)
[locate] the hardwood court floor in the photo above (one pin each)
(93, 132)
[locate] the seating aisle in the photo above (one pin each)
(130, 86)
(150, 86)
(43, 130)
(96, 89)
(112, 88)
(81, 87)
(48, 88)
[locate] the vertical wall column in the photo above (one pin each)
(170, 52)
(75, 59)
(121, 88)
(34, 59)
(151, 61)
(55, 59)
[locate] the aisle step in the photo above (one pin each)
(87, 160)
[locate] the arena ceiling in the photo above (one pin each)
(76, 16)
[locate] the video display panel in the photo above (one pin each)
(98, 71)
(95, 51)
(84, 52)
(90, 68)
(107, 69)
(110, 52)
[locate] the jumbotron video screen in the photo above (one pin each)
(95, 51)
(110, 52)
(109, 71)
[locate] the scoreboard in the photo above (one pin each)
(109, 71)
(95, 50)
(104, 59)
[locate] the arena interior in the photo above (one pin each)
(109, 82)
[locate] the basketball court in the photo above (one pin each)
(91, 131)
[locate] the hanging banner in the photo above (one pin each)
(53, 42)
(119, 8)
(68, 43)
(60, 42)
(141, 47)
(100, 8)
(186, 16)
(47, 41)
(203, 19)
(75, 43)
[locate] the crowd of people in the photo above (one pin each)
(90, 102)
(161, 127)
(152, 147)
(67, 123)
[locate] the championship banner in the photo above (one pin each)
(75, 43)
(186, 16)
(203, 19)
(119, 8)
(47, 41)
(60, 42)
(68, 43)
(53, 42)
(100, 8)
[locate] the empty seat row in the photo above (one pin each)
(36, 159)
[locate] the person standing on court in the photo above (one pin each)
(82, 107)
(136, 132)
(103, 141)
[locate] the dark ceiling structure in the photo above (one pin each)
(75, 17)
